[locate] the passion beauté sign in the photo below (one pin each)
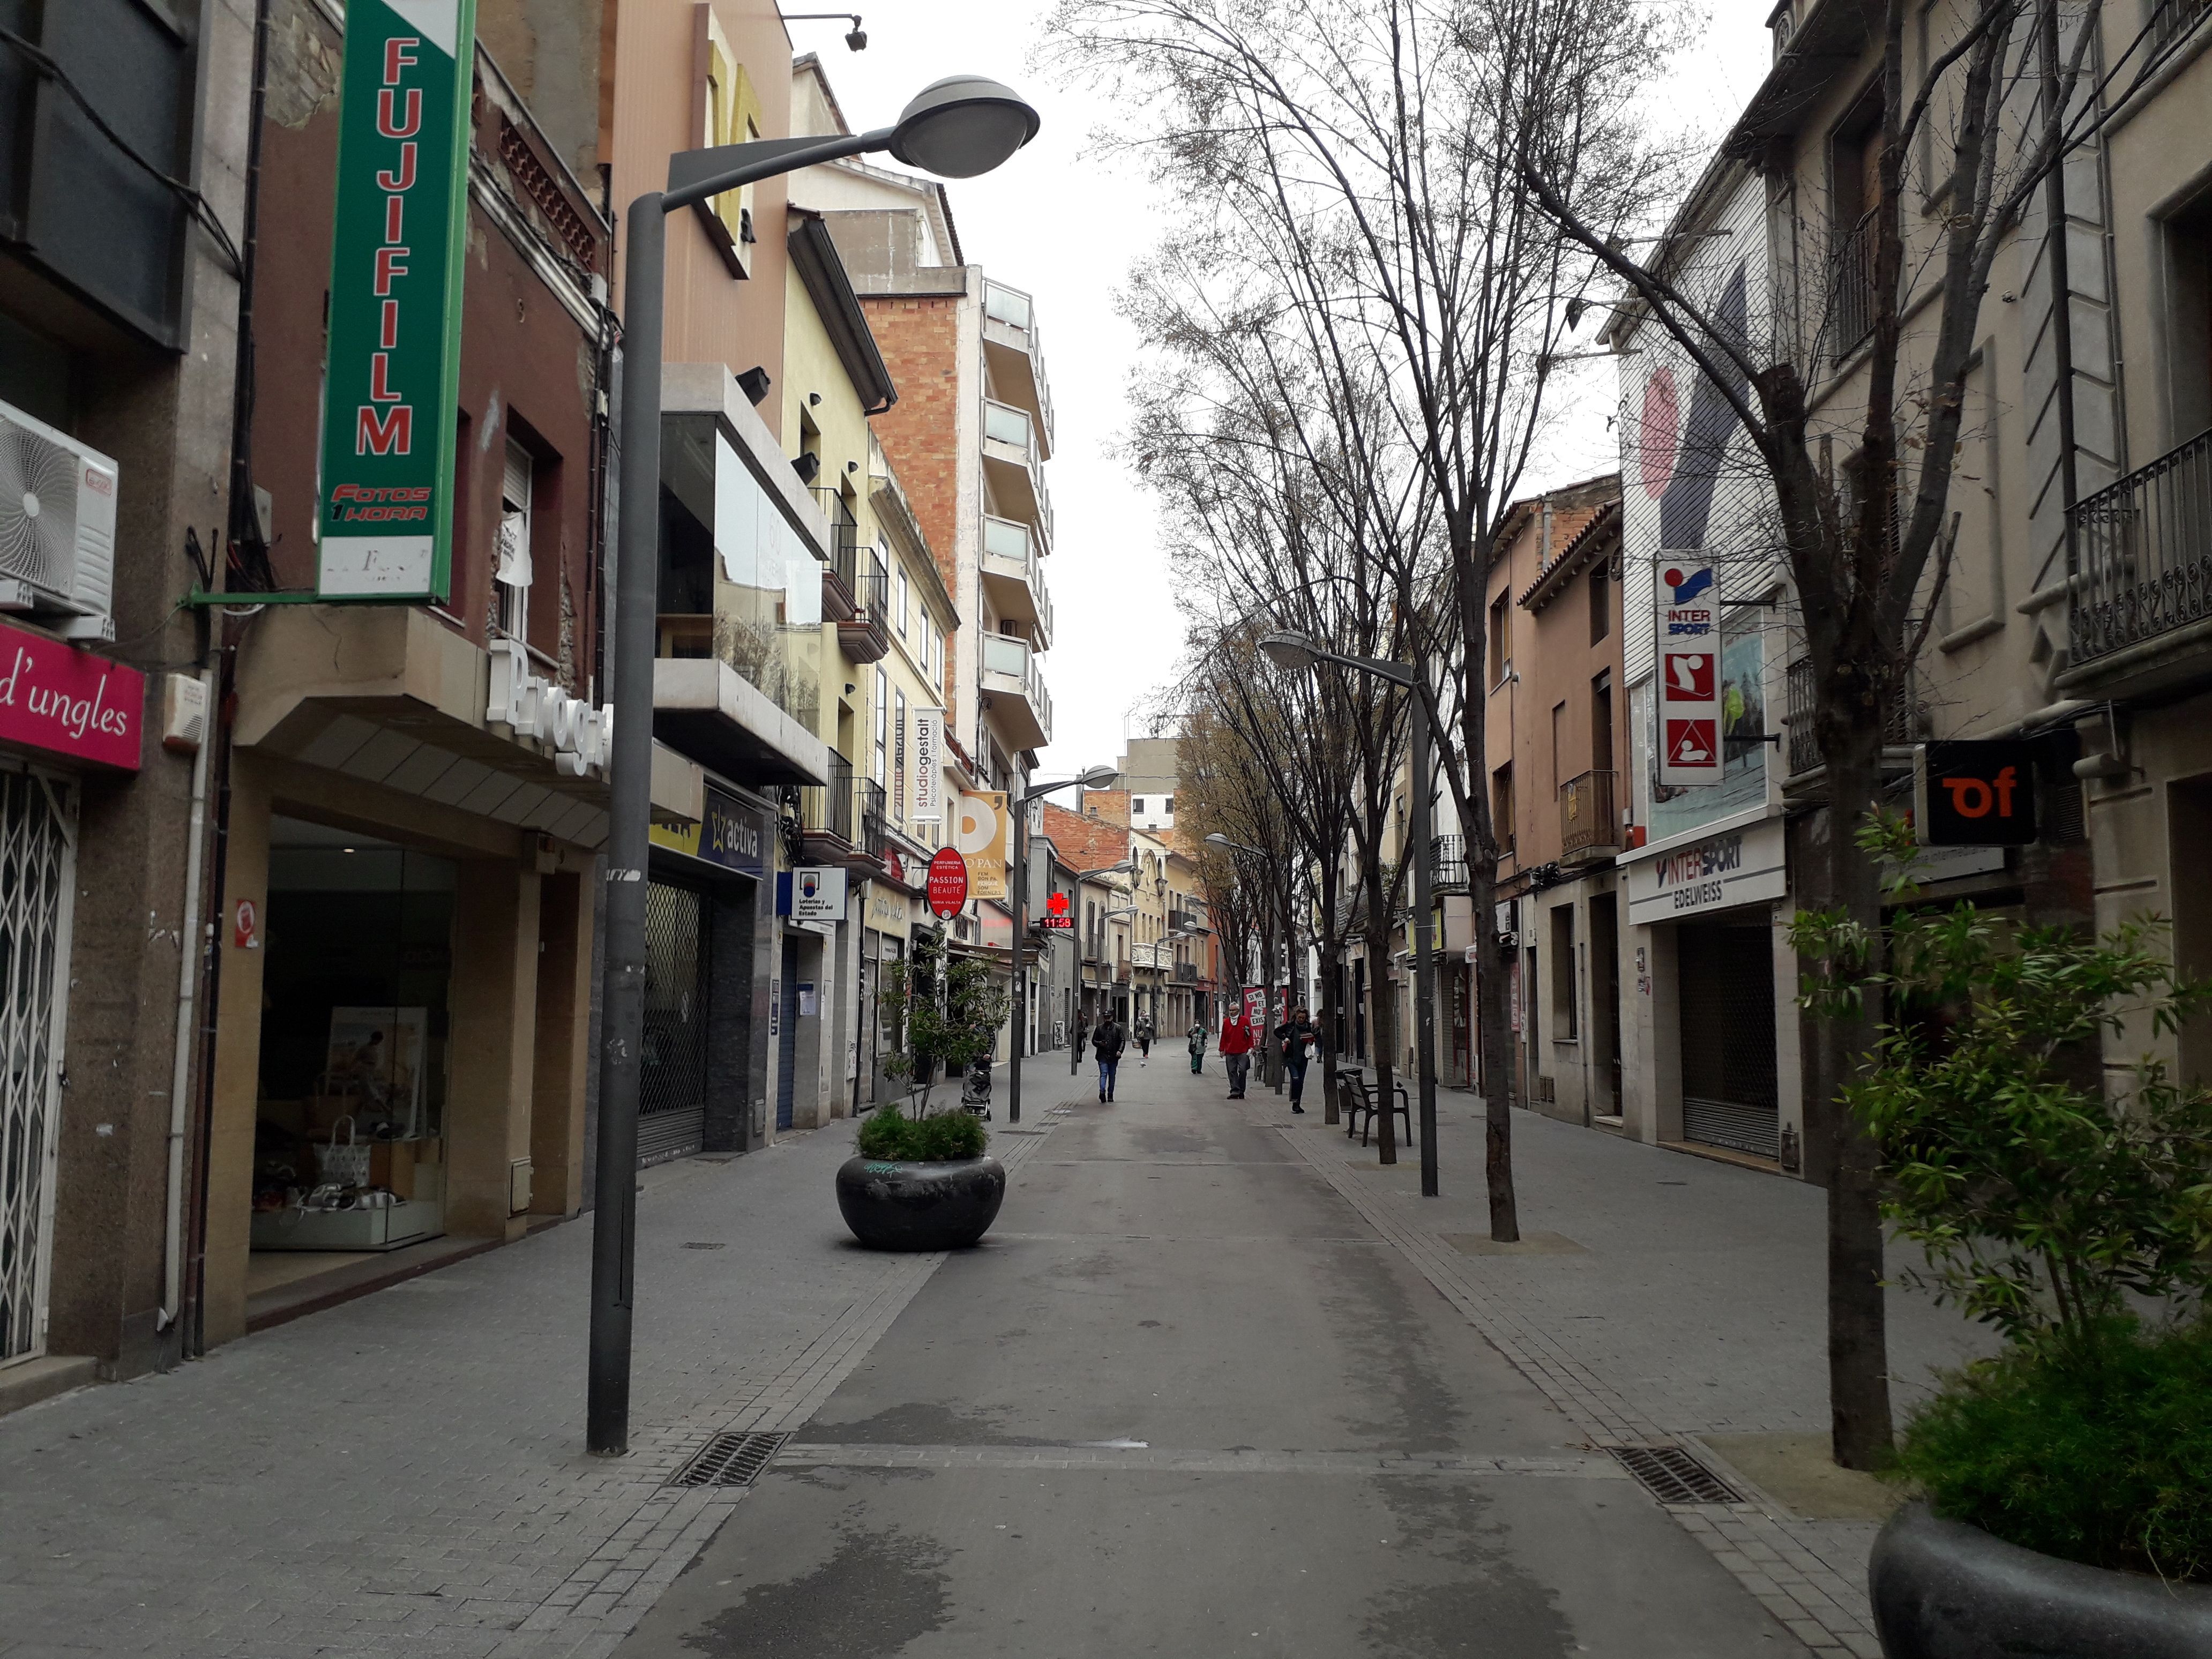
(390, 386)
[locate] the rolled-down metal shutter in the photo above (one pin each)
(1726, 1000)
(672, 1095)
(38, 839)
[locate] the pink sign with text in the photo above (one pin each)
(67, 702)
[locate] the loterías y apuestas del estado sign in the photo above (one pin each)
(389, 392)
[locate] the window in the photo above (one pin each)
(1501, 638)
(1168, 806)
(898, 756)
(511, 577)
(1501, 808)
(883, 727)
(1558, 745)
(1602, 722)
(1600, 606)
(901, 601)
(1563, 1022)
(1137, 805)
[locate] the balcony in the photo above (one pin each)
(2143, 574)
(1014, 467)
(840, 574)
(1014, 691)
(1588, 825)
(1903, 727)
(1016, 360)
(1448, 864)
(1186, 973)
(1850, 291)
(843, 820)
(1013, 576)
(865, 635)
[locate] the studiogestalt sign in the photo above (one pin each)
(390, 387)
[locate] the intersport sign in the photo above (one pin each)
(398, 236)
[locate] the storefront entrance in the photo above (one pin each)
(671, 1094)
(350, 1126)
(38, 865)
(1726, 980)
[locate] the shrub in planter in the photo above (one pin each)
(2075, 1220)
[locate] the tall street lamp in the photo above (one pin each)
(1074, 1045)
(960, 127)
(1298, 654)
(1097, 778)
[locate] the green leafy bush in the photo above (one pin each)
(888, 1134)
(2049, 1206)
(2104, 1457)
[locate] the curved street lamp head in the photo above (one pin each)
(962, 125)
(1216, 839)
(1097, 777)
(1292, 652)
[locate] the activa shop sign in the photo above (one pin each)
(1738, 867)
(63, 701)
(390, 387)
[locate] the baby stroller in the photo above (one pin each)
(975, 1090)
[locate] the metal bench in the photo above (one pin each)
(1360, 1114)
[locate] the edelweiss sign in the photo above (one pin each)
(1741, 866)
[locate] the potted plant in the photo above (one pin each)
(2066, 1483)
(920, 1179)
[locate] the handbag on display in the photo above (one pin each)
(345, 1165)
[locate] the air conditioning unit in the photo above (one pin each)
(57, 527)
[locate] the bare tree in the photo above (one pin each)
(1359, 162)
(2001, 94)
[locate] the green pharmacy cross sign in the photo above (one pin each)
(391, 388)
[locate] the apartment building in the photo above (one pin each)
(2074, 540)
(1556, 725)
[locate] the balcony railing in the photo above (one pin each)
(1587, 817)
(2142, 554)
(1011, 309)
(1186, 973)
(828, 809)
(1850, 279)
(1900, 727)
(1003, 423)
(1448, 862)
(2174, 19)
(1003, 655)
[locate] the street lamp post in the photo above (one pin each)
(958, 127)
(1297, 652)
(1097, 778)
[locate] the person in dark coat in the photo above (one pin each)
(1107, 1042)
(1297, 1035)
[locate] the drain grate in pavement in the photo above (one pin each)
(729, 1460)
(1672, 1476)
(701, 1244)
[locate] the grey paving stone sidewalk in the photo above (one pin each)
(1657, 1297)
(406, 1471)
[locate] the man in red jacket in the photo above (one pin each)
(1237, 1039)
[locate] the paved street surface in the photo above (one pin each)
(1216, 1384)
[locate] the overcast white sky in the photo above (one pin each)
(1058, 222)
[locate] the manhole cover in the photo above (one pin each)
(729, 1460)
(1672, 1476)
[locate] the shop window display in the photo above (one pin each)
(348, 1137)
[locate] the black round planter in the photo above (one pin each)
(1945, 1590)
(920, 1206)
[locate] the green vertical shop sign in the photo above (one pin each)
(391, 385)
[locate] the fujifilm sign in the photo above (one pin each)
(1738, 867)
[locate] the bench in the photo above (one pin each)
(1361, 1108)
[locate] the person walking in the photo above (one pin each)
(1298, 1034)
(1237, 1051)
(1107, 1042)
(1145, 1040)
(1195, 1039)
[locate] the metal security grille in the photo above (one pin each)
(1672, 1476)
(38, 834)
(729, 1460)
(671, 1095)
(1729, 1098)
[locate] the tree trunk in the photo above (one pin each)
(1382, 1009)
(1493, 987)
(1327, 1013)
(1858, 1357)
